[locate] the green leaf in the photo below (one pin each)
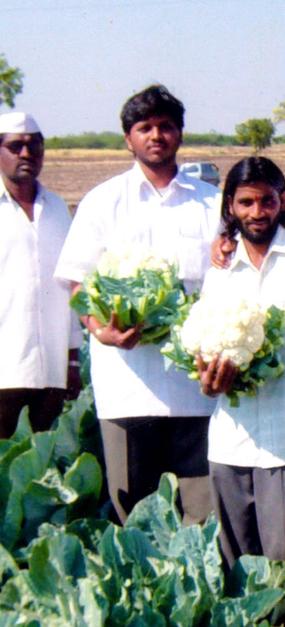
(54, 561)
(146, 617)
(43, 499)
(70, 429)
(85, 476)
(8, 565)
(43, 574)
(199, 546)
(13, 450)
(23, 429)
(137, 549)
(89, 531)
(11, 82)
(26, 467)
(153, 297)
(33, 463)
(94, 612)
(80, 302)
(245, 610)
(156, 515)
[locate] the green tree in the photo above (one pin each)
(11, 82)
(279, 113)
(257, 133)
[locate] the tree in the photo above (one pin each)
(255, 133)
(279, 113)
(11, 82)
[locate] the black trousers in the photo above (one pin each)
(44, 406)
(138, 450)
(250, 504)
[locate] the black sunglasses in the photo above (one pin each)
(35, 147)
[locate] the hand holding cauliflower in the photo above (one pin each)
(231, 329)
(231, 345)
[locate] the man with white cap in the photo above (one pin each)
(39, 337)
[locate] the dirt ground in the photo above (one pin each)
(72, 173)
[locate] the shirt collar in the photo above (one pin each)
(277, 246)
(179, 179)
(184, 180)
(5, 193)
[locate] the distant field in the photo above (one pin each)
(71, 173)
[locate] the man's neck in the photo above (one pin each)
(256, 252)
(159, 176)
(24, 193)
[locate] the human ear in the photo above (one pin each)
(129, 142)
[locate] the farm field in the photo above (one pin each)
(72, 173)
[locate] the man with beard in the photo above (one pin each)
(39, 344)
(152, 420)
(247, 443)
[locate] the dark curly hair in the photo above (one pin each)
(154, 100)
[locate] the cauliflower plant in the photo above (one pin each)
(129, 263)
(234, 330)
(138, 287)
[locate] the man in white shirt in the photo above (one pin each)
(152, 420)
(37, 337)
(247, 443)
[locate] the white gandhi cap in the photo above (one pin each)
(18, 122)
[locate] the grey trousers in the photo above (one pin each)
(138, 450)
(250, 503)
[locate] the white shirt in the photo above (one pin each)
(252, 434)
(35, 321)
(125, 212)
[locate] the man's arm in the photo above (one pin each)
(110, 334)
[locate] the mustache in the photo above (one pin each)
(254, 221)
(25, 160)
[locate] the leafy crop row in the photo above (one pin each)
(63, 563)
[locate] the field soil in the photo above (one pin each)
(72, 173)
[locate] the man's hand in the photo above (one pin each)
(221, 250)
(112, 335)
(217, 377)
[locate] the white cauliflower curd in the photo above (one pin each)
(230, 328)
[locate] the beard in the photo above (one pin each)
(258, 237)
(159, 163)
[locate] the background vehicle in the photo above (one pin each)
(204, 170)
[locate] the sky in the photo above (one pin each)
(82, 59)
